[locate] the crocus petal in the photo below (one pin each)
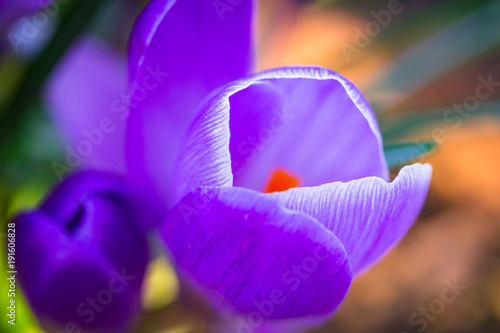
(246, 252)
(61, 202)
(83, 97)
(57, 289)
(309, 121)
(368, 215)
(81, 256)
(179, 52)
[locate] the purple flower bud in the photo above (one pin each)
(81, 257)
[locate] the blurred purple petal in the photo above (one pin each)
(84, 262)
(309, 121)
(61, 201)
(249, 254)
(82, 95)
(179, 52)
(369, 216)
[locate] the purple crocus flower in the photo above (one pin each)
(204, 139)
(81, 256)
(285, 258)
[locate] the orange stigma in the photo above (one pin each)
(281, 181)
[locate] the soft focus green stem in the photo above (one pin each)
(397, 128)
(403, 153)
(435, 56)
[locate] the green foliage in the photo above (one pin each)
(404, 153)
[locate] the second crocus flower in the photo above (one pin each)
(81, 256)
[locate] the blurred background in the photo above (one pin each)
(431, 71)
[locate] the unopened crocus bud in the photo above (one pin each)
(81, 257)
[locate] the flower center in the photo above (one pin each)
(281, 180)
